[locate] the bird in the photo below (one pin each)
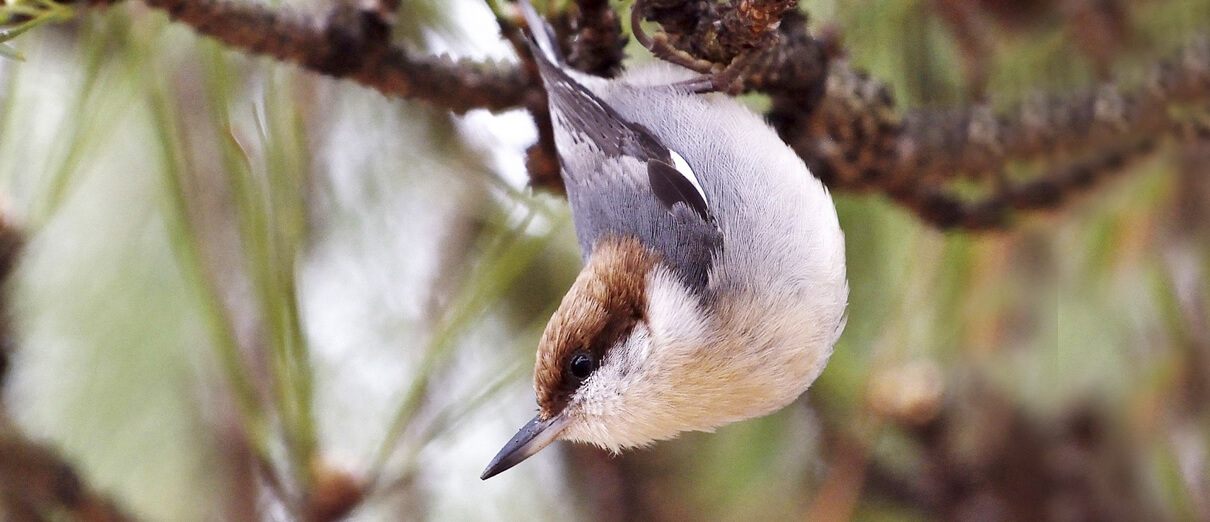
(714, 284)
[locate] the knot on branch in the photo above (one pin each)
(598, 46)
(851, 138)
(795, 68)
(355, 36)
(718, 31)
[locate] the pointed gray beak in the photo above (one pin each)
(534, 436)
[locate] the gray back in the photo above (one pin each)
(622, 180)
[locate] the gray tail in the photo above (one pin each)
(542, 39)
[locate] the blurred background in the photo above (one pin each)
(247, 292)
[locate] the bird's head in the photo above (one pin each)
(593, 361)
(634, 355)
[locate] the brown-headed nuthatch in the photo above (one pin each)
(714, 286)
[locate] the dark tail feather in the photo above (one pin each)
(542, 39)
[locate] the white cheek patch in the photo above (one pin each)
(673, 314)
(682, 166)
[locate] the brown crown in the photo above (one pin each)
(602, 307)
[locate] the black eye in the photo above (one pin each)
(581, 365)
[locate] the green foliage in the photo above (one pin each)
(19, 16)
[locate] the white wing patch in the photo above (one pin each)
(682, 166)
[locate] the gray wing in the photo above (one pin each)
(621, 180)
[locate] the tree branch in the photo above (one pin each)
(857, 141)
(355, 44)
(843, 123)
(599, 43)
